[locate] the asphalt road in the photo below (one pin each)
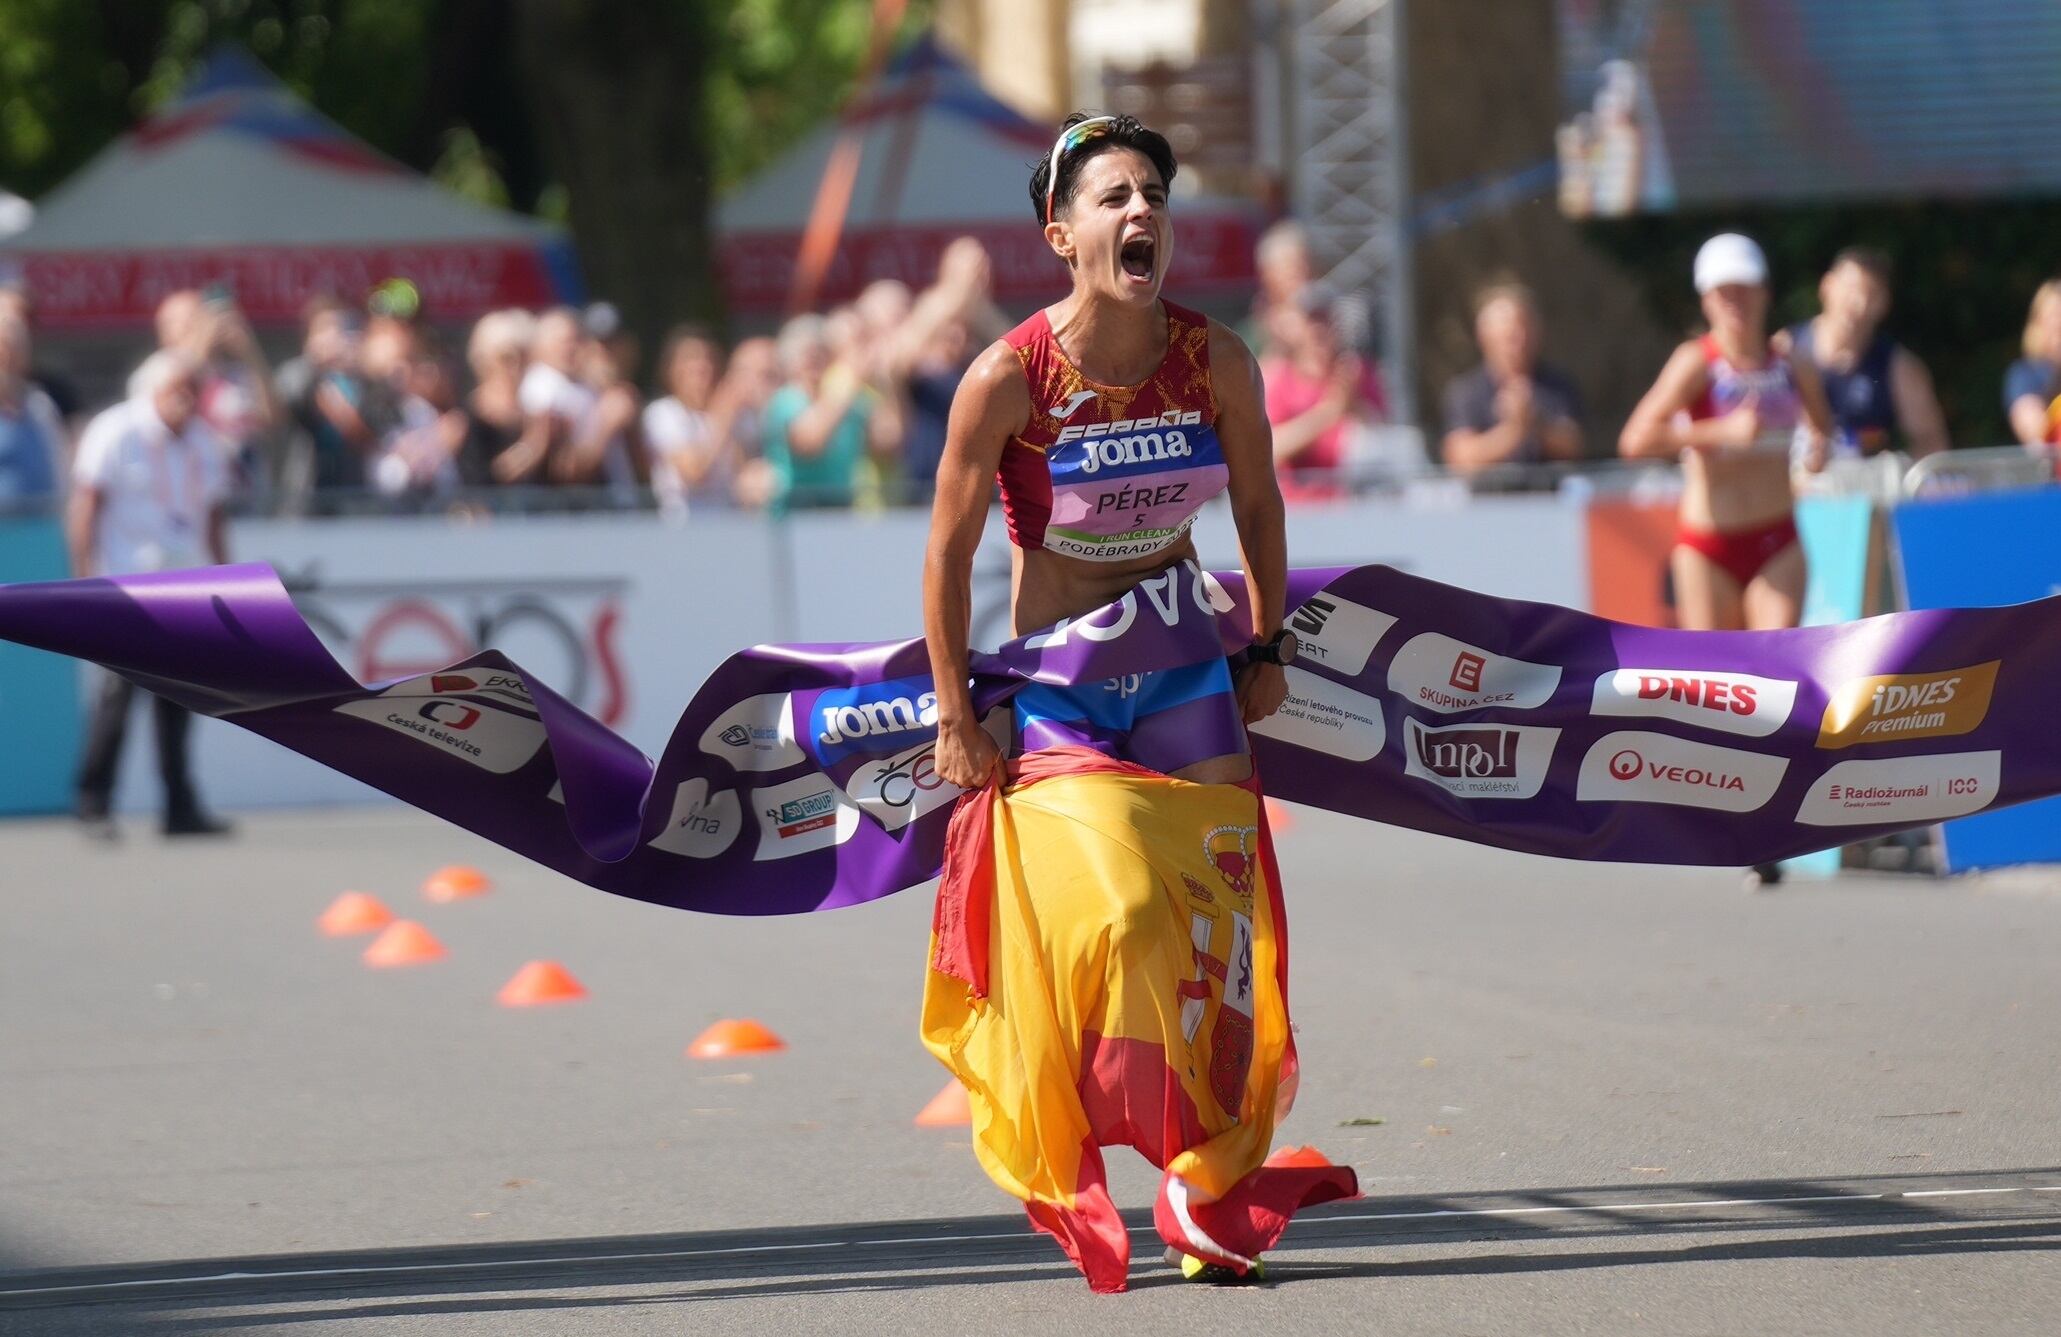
(1610, 1099)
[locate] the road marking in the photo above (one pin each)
(398, 1269)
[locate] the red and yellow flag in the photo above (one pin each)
(1108, 970)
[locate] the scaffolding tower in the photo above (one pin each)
(1349, 150)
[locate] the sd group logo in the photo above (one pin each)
(1736, 703)
(1446, 675)
(1634, 766)
(1903, 789)
(1903, 707)
(802, 816)
(1480, 760)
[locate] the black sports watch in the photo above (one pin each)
(1282, 648)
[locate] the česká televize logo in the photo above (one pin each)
(1634, 766)
(1902, 707)
(1737, 703)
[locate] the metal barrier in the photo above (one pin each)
(1985, 469)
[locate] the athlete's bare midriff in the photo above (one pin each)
(1728, 493)
(1045, 586)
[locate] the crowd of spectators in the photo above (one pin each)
(379, 410)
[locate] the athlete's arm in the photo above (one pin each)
(1652, 431)
(1810, 390)
(1245, 438)
(992, 404)
(1916, 404)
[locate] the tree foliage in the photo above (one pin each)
(464, 89)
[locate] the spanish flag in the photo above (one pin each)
(1108, 967)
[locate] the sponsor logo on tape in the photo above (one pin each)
(1902, 707)
(754, 734)
(1440, 673)
(1336, 633)
(802, 815)
(1480, 760)
(872, 718)
(1738, 703)
(1327, 717)
(700, 826)
(488, 736)
(1633, 766)
(507, 687)
(1902, 789)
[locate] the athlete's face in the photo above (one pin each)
(1737, 308)
(1115, 232)
(1855, 296)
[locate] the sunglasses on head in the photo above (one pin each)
(1071, 138)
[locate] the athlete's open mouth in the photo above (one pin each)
(1139, 255)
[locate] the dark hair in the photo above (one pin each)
(1867, 259)
(687, 332)
(1128, 133)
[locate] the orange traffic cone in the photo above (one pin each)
(1279, 818)
(456, 883)
(728, 1038)
(1298, 1158)
(352, 913)
(540, 982)
(404, 943)
(949, 1108)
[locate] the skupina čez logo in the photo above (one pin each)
(1899, 707)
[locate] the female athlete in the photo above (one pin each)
(1730, 405)
(1132, 907)
(1734, 406)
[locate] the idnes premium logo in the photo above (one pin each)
(1480, 760)
(1633, 766)
(1900, 707)
(1737, 703)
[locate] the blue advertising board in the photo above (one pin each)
(1990, 548)
(39, 691)
(1834, 532)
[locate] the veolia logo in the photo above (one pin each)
(1626, 765)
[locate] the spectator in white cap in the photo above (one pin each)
(1730, 406)
(147, 495)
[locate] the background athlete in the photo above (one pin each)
(1730, 405)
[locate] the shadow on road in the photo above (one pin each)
(1843, 1219)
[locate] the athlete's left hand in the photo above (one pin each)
(1261, 690)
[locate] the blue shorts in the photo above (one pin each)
(1164, 720)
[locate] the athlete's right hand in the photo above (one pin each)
(1741, 428)
(966, 754)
